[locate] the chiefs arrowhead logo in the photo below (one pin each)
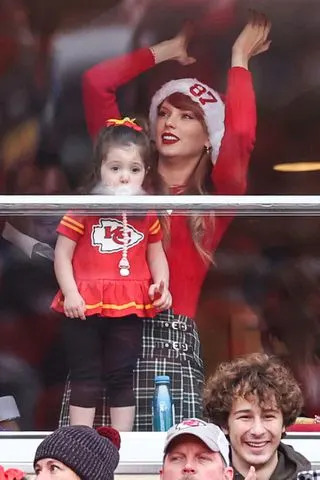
(191, 422)
(108, 235)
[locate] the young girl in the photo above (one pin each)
(108, 267)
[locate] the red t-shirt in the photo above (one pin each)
(96, 260)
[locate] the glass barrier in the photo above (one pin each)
(259, 294)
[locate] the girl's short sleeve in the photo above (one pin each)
(71, 226)
(155, 230)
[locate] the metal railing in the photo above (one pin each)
(243, 205)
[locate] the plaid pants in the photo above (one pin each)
(309, 475)
(170, 346)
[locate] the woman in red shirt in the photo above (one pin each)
(203, 146)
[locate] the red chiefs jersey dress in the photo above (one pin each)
(96, 263)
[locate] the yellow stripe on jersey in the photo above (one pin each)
(112, 306)
(154, 226)
(72, 227)
(154, 232)
(124, 306)
(72, 220)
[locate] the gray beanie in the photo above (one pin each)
(91, 454)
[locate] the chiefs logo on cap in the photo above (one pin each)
(191, 422)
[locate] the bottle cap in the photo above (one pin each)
(162, 379)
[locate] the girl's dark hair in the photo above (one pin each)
(118, 136)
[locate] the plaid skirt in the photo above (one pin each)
(170, 346)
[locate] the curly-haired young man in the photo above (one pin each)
(253, 399)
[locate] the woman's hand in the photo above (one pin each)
(160, 296)
(252, 40)
(74, 305)
(176, 48)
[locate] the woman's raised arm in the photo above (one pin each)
(100, 83)
(230, 172)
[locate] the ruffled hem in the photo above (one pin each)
(112, 299)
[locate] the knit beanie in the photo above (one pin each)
(91, 454)
(208, 100)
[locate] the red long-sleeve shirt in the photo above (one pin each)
(187, 269)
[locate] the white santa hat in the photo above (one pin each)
(207, 98)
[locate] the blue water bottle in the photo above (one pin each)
(162, 404)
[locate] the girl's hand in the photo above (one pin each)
(74, 305)
(176, 48)
(160, 296)
(252, 40)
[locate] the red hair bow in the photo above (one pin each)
(127, 122)
(11, 474)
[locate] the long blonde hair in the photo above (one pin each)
(199, 183)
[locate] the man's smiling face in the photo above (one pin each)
(255, 432)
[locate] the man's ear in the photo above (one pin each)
(228, 473)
